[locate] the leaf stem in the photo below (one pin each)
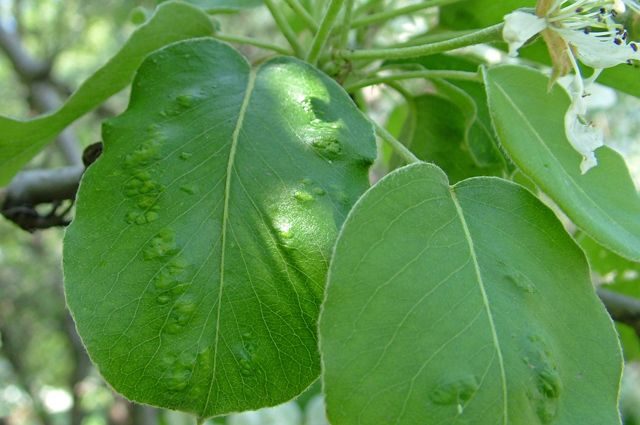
(485, 35)
(346, 24)
(230, 38)
(303, 14)
(428, 74)
(390, 14)
(401, 149)
(324, 30)
(409, 128)
(281, 22)
(368, 6)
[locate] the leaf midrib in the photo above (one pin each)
(485, 301)
(225, 220)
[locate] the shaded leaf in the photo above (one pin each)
(479, 137)
(467, 304)
(439, 137)
(530, 124)
(196, 263)
(470, 98)
(21, 140)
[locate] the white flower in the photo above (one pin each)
(589, 138)
(519, 28)
(588, 32)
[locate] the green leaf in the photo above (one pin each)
(479, 137)
(467, 304)
(439, 137)
(196, 263)
(474, 14)
(529, 121)
(21, 140)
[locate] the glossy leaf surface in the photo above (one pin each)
(530, 124)
(21, 140)
(467, 304)
(196, 263)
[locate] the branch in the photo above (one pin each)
(34, 187)
(283, 25)
(622, 308)
(25, 65)
(303, 14)
(424, 74)
(324, 30)
(485, 35)
(400, 149)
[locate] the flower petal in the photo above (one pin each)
(585, 139)
(520, 27)
(598, 52)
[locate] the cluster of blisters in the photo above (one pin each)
(179, 370)
(171, 282)
(141, 187)
(245, 355)
(162, 245)
(521, 281)
(309, 191)
(180, 315)
(321, 135)
(182, 102)
(548, 385)
(323, 138)
(456, 391)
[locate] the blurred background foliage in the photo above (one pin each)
(45, 375)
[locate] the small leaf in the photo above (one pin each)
(196, 263)
(480, 139)
(529, 122)
(439, 137)
(467, 304)
(470, 98)
(22, 140)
